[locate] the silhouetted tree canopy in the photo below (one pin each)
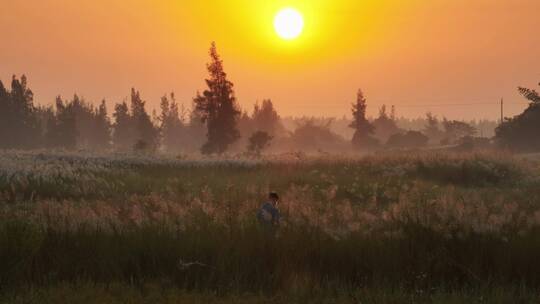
(102, 132)
(195, 132)
(145, 130)
(265, 118)
(19, 123)
(62, 128)
(133, 125)
(522, 132)
(455, 130)
(385, 125)
(363, 129)
(432, 129)
(123, 131)
(77, 124)
(215, 123)
(172, 124)
(217, 107)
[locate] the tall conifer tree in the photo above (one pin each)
(217, 107)
(363, 129)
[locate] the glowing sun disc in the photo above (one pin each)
(289, 23)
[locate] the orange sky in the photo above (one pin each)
(414, 54)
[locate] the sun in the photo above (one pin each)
(289, 23)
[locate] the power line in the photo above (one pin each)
(415, 105)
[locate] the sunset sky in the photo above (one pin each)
(420, 55)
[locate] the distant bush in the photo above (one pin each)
(310, 137)
(455, 130)
(470, 143)
(410, 139)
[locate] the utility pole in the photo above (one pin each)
(502, 110)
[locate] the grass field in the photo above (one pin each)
(440, 227)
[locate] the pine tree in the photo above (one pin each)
(91, 124)
(23, 125)
(102, 127)
(146, 133)
(195, 132)
(51, 133)
(62, 127)
(84, 120)
(5, 116)
(363, 129)
(217, 107)
(123, 135)
(44, 114)
(172, 127)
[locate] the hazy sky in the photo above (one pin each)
(414, 54)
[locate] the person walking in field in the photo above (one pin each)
(269, 214)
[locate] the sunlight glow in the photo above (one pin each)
(289, 23)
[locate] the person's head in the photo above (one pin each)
(273, 197)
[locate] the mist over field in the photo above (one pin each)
(269, 152)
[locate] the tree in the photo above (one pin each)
(521, 132)
(19, 123)
(431, 129)
(133, 125)
(45, 115)
(530, 94)
(363, 129)
(217, 107)
(145, 130)
(93, 127)
(102, 138)
(75, 124)
(385, 126)
(455, 130)
(5, 116)
(123, 133)
(259, 141)
(265, 118)
(314, 136)
(62, 127)
(171, 124)
(195, 132)
(27, 125)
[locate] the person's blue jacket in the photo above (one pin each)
(268, 214)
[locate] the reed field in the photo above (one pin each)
(413, 227)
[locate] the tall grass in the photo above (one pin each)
(426, 224)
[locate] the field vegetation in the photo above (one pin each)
(410, 226)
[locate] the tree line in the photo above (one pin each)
(77, 124)
(215, 123)
(519, 133)
(384, 132)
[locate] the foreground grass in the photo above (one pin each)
(446, 228)
(245, 259)
(156, 293)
